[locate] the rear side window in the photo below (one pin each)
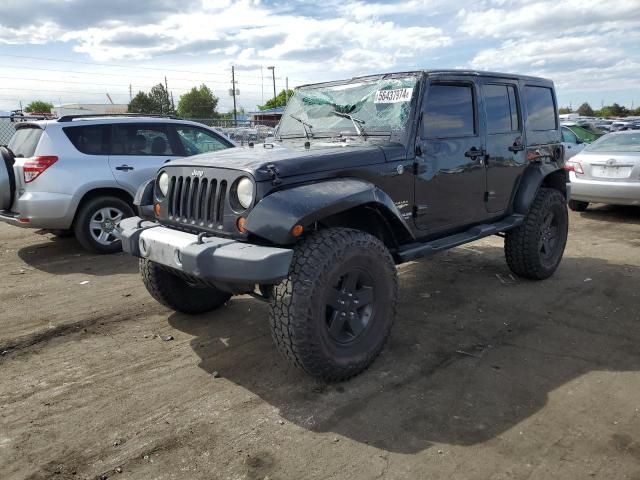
(197, 140)
(541, 112)
(501, 108)
(24, 141)
(88, 139)
(140, 139)
(449, 112)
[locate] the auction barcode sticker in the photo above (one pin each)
(393, 96)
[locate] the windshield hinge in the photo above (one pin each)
(273, 172)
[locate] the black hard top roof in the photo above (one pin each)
(437, 72)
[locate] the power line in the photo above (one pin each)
(137, 67)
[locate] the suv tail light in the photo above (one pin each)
(33, 167)
(573, 167)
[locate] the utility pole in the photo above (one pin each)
(130, 93)
(286, 91)
(273, 72)
(233, 91)
(262, 84)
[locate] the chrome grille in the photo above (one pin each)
(197, 201)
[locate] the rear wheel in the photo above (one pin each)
(178, 294)
(534, 249)
(95, 225)
(578, 206)
(333, 314)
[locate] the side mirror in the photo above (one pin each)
(579, 141)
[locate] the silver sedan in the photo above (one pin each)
(607, 171)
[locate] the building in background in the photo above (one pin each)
(89, 109)
(269, 117)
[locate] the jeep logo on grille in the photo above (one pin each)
(197, 173)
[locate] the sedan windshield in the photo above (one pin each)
(362, 108)
(616, 142)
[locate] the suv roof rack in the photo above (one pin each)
(69, 118)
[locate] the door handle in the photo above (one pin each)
(125, 168)
(474, 152)
(516, 148)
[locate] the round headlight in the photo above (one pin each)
(163, 183)
(244, 191)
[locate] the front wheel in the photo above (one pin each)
(178, 294)
(535, 248)
(333, 314)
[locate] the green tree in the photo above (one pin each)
(563, 110)
(280, 100)
(39, 106)
(198, 103)
(614, 110)
(585, 110)
(157, 101)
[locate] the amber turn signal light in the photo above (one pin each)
(297, 230)
(156, 209)
(241, 224)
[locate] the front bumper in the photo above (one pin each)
(610, 192)
(214, 259)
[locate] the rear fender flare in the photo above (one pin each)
(535, 176)
(276, 214)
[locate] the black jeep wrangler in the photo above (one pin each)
(361, 175)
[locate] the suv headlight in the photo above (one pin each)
(244, 192)
(163, 183)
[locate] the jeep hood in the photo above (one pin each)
(291, 159)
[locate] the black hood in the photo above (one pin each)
(291, 158)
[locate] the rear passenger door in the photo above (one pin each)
(138, 150)
(450, 174)
(506, 158)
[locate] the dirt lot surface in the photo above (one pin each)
(485, 376)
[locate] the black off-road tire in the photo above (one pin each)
(300, 315)
(578, 206)
(523, 244)
(83, 219)
(175, 293)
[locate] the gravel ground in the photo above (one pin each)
(485, 376)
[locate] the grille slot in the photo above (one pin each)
(199, 201)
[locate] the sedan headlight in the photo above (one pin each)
(163, 183)
(244, 192)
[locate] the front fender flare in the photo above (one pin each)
(276, 214)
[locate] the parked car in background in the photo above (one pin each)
(78, 174)
(584, 132)
(571, 143)
(607, 171)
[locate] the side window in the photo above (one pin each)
(140, 139)
(501, 108)
(541, 112)
(198, 140)
(568, 136)
(449, 112)
(88, 139)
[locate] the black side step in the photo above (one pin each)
(417, 250)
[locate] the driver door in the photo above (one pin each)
(450, 153)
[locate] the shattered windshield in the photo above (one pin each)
(363, 108)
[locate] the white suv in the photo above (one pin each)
(78, 174)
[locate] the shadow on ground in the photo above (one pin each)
(613, 213)
(60, 256)
(474, 351)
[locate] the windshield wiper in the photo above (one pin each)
(307, 133)
(357, 123)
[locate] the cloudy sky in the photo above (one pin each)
(78, 50)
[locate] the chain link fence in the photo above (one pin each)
(241, 132)
(8, 125)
